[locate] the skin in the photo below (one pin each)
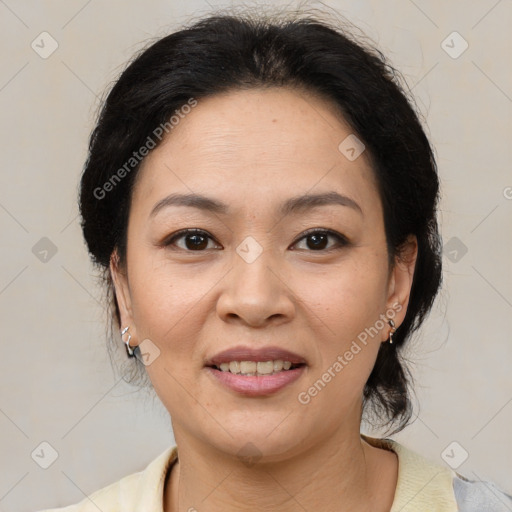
(253, 150)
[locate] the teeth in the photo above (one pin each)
(256, 368)
(234, 367)
(278, 365)
(248, 367)
(265, 368)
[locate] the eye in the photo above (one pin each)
(198, 240)
(318, 239)
(194, 239)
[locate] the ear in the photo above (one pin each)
(400, 280)
(123, 296)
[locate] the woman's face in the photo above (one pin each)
(260, 274)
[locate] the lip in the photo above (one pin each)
(241, 353)
(257, 385)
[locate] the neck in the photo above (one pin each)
(342, 474)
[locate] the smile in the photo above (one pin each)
(252, 368)
(254, 384)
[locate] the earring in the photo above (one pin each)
(129, 349)
(392, 331)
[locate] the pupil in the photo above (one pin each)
(319, 241)
(197, 243)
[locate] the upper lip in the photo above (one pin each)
(242, 353)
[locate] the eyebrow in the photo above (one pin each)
(293, 205)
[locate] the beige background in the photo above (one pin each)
(57, 385)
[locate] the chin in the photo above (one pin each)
(261, 441)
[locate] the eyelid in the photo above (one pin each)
(342, 240)
(168, 241)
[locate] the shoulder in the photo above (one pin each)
(426, 486)
(139, 491)
(474, 496)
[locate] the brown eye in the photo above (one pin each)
(193, 240)
(318, 240)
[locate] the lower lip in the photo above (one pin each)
(257, 385)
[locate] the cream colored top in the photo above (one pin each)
(422, 486)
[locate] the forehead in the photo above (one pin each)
(258, 142)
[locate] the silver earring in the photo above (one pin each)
(393, 330)
(129, 349)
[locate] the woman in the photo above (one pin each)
(262, 199)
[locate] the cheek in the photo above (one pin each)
(350, 295)
(165, 301)
(349, 301)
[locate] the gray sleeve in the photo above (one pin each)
(479, 496)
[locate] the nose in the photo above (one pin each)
(256, 293)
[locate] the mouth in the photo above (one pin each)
(256, 372)
(252, 361)
(256, 368)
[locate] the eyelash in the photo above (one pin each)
(342, 241)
